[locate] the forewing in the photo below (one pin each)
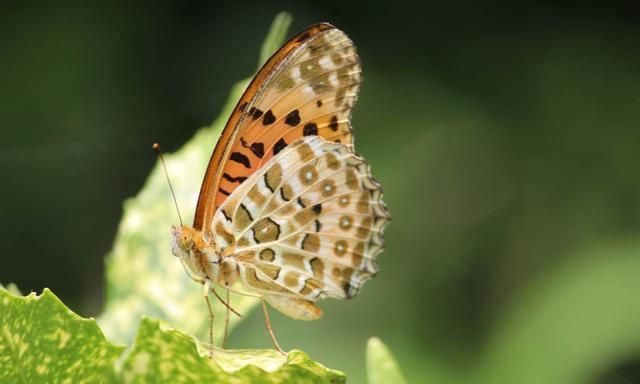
(307, 225)
(307, 88)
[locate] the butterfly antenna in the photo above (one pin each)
(156, 147)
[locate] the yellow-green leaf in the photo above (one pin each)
(382, 367)
(42, 341)
(165, 355)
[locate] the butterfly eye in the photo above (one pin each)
(186, 242)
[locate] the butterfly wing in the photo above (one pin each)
(308, 87)
(307, 225)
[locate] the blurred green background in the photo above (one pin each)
(506, 136)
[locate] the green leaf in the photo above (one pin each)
(143, 277)
(12, 288)
(164, 355)
(42, 341)
(275, 37)
(382, 367)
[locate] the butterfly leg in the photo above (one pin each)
(269, 329)
(225, 303)
(207, 287)
(226, 319)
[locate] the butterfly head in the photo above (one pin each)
(183, 241)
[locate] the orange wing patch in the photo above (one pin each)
(307, 88)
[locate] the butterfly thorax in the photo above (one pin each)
(201, 258)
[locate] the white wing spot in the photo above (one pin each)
(295, 74)
(333, 78)
(325, 62)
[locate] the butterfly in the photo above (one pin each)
(287, 208)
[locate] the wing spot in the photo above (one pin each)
(243, 218)
(241, 159)
(269, 118)
(293, 118)
(332, 161)
(328, 188)
(308, 174)
(266, 230)
(364, 228)
(310, 129)
(293, 259)
(340, 97)
(291, 279)
(317, 266)
(271, 271)
(362, 205)
(333, 124)
(273, 177)
(346, 273)
(307, 215)
(279, 146)
(356, 256)
(336, 58)
(232, 179)
(267, 254)
(256, 196)
(286, 192)
(340, 248)
(305, 152)
(255, 113)
(309, 286)
(228, 238)
(252, 280)
(352, 179)
(346, 222)
(258, 149)
(311, 243)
